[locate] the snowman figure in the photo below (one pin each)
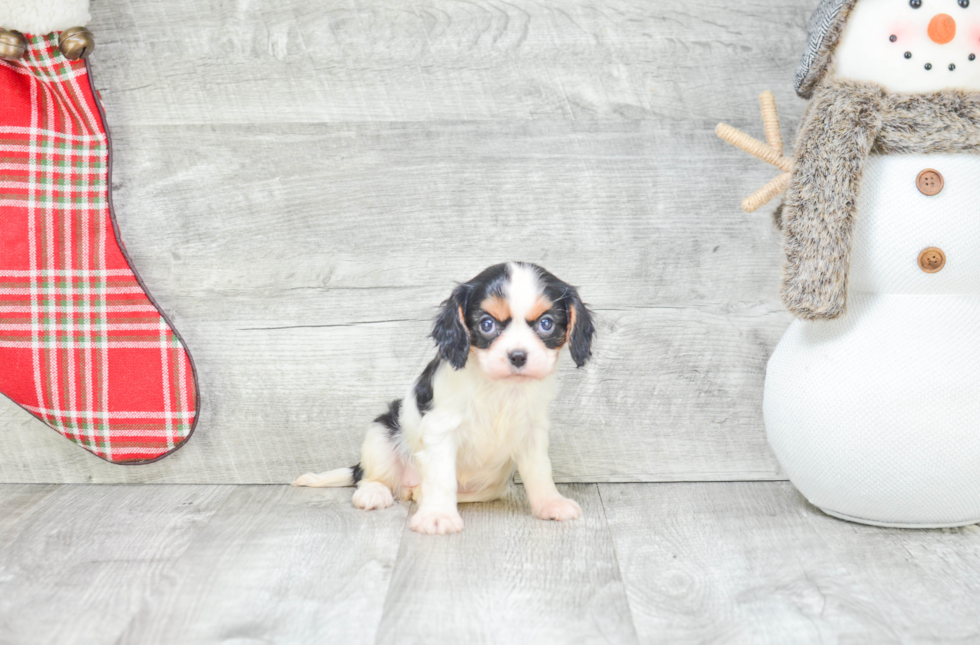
(872, 397)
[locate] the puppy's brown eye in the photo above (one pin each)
(487, 325)
(546, 324)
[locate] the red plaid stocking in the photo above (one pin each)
(82, 346)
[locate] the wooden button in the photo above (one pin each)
(929, 182)
(932, 260)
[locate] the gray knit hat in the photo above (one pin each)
(824, 31)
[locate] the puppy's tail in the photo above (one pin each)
(332, 478)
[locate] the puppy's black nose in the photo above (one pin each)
(517, 358)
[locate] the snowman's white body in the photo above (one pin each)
(875, 416)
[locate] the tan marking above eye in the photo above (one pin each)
(540, 307)
(496, 307)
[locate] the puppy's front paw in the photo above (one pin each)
(557, 508)
(432, 521)
(372, 495)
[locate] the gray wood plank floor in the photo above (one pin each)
(300, 184)
(509, 578)
(649, 563)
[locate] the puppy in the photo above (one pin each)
(480, 408)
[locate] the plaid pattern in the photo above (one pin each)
(82, 346)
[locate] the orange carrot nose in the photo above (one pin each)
(942, 28)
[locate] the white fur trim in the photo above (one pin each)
(43, 16)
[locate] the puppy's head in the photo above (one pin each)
(514, 318)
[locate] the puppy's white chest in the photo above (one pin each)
(490, 435)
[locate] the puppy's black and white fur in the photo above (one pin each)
(480, 408)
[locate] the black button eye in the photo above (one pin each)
(964, 3)
(915, 4)
(487, 325)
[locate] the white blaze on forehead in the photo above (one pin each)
(523, 289)
(866, 52)
(523, 293)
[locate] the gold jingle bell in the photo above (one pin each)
(76, 43)
(12, 44)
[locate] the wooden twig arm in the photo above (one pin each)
(770, 121)
(771, 152)
(767, 193)
(754, 147)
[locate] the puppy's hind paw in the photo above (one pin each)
(436, 521)
(372, 495)
(558, 508)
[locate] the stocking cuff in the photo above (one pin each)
(43, 16)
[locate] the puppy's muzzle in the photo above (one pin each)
(518, 358)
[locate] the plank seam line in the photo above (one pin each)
(654, 480)
(615, 552)
(394, 567)
(350, 324)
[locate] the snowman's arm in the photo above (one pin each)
(771, 152)
(754, 147)
(767, 193)
(770, 121)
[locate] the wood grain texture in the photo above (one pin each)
(301, 187)
(278, 565)
(78, 564)
(754, 563)
(301, 329)
(648, 563)
(18, 504)
(510, 578)
(262, 61)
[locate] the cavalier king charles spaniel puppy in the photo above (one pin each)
(480, 408)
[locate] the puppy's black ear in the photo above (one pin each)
(450, 332)
(581, 329)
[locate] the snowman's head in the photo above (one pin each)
(913, 46)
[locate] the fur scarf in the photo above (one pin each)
(845, 122)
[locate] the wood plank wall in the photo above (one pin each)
(300, 184)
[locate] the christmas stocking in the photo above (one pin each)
(83, 347)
